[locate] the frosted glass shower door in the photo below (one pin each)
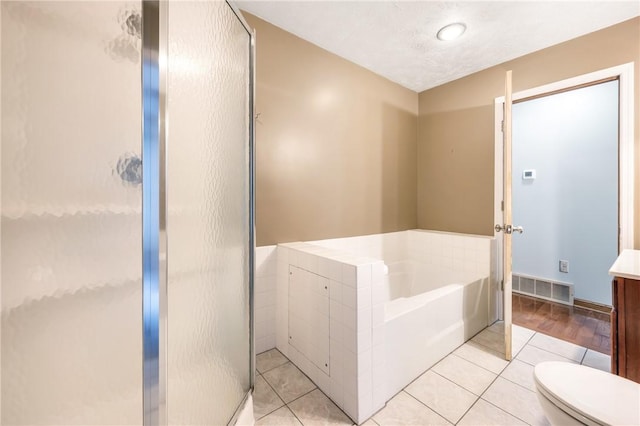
(71, 213)
(208, 228)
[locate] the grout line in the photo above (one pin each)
(329, 399)
(304, 394)
(491, 331)
(565, 341)
(294, 414)
(272, 368)
(482, 344)
(386, 402)
(271, 412)
(471, 362)
(491, 384)
(477, 396)
(528, 341)
(549, 352)
(516, 383)
(276, 393)
(492, 372)
(476, 364)
(315, 387)
(434, 364)
(485, 391)
(467, 410)
(281, 398)
(584, 356)
(438, 414)
(505, 411)
(291, 409)
(457, 384)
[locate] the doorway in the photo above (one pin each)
(565, 194)
(624, 76)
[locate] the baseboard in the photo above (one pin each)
(599, 307)
(579, 303)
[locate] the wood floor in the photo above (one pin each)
(581, 326)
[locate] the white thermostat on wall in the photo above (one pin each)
(529, 174)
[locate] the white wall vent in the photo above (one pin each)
(543, 288)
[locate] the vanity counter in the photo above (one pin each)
(625, 315)
(627, 265)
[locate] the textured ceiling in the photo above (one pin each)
(397, 39)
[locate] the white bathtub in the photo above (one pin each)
(381, 331)
(429, 312)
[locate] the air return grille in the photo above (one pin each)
(543, 288)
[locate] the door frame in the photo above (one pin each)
(625, 74)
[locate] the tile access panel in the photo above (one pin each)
(309, 316)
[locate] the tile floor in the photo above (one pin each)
(473, 385)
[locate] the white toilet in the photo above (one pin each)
(572, 394)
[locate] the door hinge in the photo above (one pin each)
(502, 205)
(501, 285)
(502, 126)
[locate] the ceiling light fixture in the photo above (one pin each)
(451, 31)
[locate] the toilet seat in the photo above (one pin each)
(589, 395)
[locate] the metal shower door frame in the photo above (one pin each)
(154, 207)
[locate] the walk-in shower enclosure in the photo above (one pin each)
(127, 219)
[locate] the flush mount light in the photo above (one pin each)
(451, 31)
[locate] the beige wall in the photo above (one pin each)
(456, 136)
(336, 144)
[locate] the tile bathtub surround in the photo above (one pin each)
(391, 246)
(265, 301)
(435, 397)
(470, 254)
(346, 286)
(460, 252)
(356, 376)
